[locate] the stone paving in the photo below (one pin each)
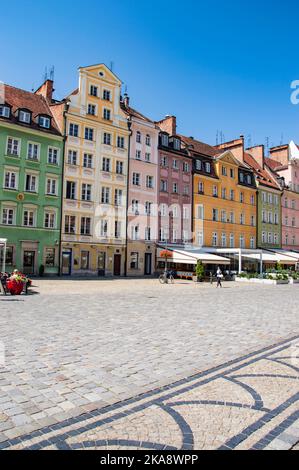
(78, 350)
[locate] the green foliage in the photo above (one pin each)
(200, 271)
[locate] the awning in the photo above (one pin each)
(269, 257)
(192, 257)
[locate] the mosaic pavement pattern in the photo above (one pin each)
(249, 403)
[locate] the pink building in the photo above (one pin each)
(142, 193)
(285, 162)
(175, 180)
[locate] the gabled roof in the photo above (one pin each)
(133, 112)
(262, 175)
(17, 98)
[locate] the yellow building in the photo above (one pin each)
(224, 200)
(95, 176)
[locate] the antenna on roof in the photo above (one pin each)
(267, 146)
(249, 141)
(111, 66)
(49, 74)
(46, 74)
(217, 137)
(281, 139)
(52, 73)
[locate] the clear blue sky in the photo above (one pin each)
(223, 65)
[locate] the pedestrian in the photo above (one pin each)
(219, 277)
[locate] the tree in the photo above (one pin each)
(200, 271)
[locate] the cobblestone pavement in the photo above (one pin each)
(77, 351)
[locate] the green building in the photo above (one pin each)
(269, 200)
(31, 163)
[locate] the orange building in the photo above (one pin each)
(224, 199)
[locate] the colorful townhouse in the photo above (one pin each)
(143, 181)
(94, 231)
(31, 162)
(268, 200)
(224, 198)
(284, 162)
(175, 186)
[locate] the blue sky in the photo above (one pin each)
(221, 65)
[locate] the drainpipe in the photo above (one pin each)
(127, 202)
(66, 108)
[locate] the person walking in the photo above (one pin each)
(219, 277)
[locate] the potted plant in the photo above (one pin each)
(200, 271)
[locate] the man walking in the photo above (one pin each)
(219, 277)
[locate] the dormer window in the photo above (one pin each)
(208, 167)
(44, 121)
(165, 140)
(177, 144)
(24, 116)
(5, 111)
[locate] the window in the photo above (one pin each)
(85, 225)
(70, 190)
(50, 257)
(232, 217)
(252, 243)
(118, 197)
(252, 219)
(87, 160)
(49, 221)
(30, 183)
(215, 191)
(223, 193)
(148, 208)
(242, 241)
(214, 239)
(84, 260)
(164, 161)
(264, 197)
(150, 182)
(174, 235)
(186, 191)
(199, 239)
(74, 130)
(10, 180)
(91, 109)
(53, 156)
(119, 168)
(276, 238)
(135, 207)
(117, 229)
(201, 188)
(72, 157)
(138, 137)
(270, 198)
(175, 211)
(294, 239)
(224, 171)
(175, 188)
(106, 164)
(25, 116)
(249, 179)
(164, 234)
(7, 216)
(270, 237)
(13, 147)
(198, 165)
(223, 240)
(293, 222)
(175, 164)
(270, 218)
(106, 95)
(242, 219)
(121, 142)
(208, 167)
(232, 195)
(28, 218)
(86, 192)
(241, 176)
(88, 134)
(33, 151)
(186, 167)
(286, 203)
(51, 188)
(264, 237)
(287, 239)
(107, 114)
(232, 240)
(70, 224)
(241, 197)
(147, 235)
(200, 212)
(136, 179)
(93, 90)
(215, 215)
(138, 154)
(4, 111)
(135, 233)
(223, 216)
(276, 218)
(165, 140)
(147, 157)
(104, 228)
(177, 144)
(134, 263)
(148, 140)
(232, 173)
(107, 138)
(185, 213)
(252, 200)
(105, 197)
(276, 200)
(293, 204)
(44, 121)
(163, 186)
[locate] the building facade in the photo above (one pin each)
(95, 177)
(284, 163)
(31, 161)
(224, 200)
(175, 186)
(142, 193)
(268, 201)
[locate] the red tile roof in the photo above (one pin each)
(263, 176)
(133, 112)
(37, 104)
(200, 147)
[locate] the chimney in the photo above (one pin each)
(235, 146)
(168, 125)
(46, 90)
(280, 154)
(258, 153)
(126, 100)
